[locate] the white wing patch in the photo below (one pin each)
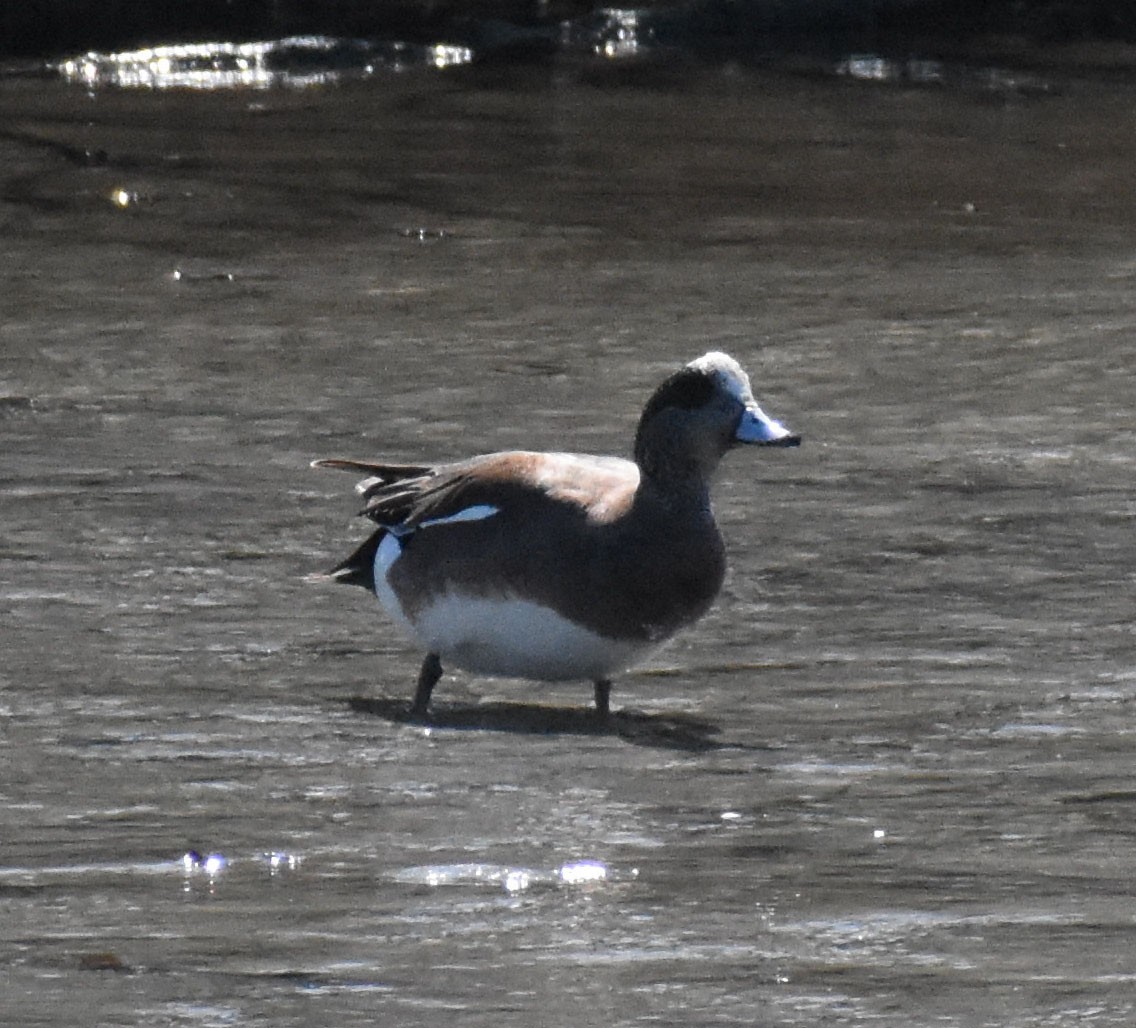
(478, 512)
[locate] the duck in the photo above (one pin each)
(554, 566)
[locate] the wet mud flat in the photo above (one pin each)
(887, 780)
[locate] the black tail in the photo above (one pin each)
(359, 568)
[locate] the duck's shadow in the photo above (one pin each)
(665, 731)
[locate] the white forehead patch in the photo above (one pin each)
(728, 372)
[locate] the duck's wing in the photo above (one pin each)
(537, 519)
(389, 491)
(379, 475)
(400, 497)
(384, 470)
(451, 492)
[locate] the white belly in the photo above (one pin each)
(520, 639)
(514, 638)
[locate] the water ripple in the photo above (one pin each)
(511, 879)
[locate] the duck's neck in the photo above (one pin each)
(677, 459)
(681, 484)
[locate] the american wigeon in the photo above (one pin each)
(557, 566)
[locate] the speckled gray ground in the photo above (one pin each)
(887, 781)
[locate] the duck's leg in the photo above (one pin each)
(603, 698)
(427, 679)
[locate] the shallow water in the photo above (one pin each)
(886, 781)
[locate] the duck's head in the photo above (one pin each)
(699, 413)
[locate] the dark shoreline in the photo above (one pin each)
(1099, 35)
